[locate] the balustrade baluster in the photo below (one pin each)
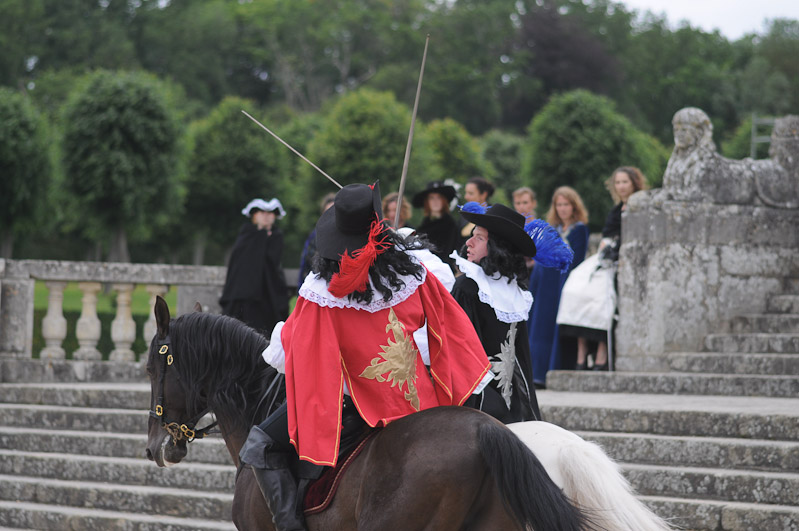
(54, 325)
(88, 327)
(150, 326)
(123, 327)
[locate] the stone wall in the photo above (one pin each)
(718, 239)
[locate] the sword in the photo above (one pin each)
(410, 137)
(292, 149)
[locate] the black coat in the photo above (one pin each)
(255, 287)
(494, 334)
(442, 233)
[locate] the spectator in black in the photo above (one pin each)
(255, 289)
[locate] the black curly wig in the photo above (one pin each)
(388, 267)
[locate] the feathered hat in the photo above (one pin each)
(352, 231)
(534, 239)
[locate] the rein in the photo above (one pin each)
(178, 431)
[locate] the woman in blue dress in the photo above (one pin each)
(569, 217)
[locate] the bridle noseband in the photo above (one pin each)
(178, 431)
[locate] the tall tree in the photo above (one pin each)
(578, 139)
(25, 166)
(455, 151)
(121, 157)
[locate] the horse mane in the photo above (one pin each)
(221, 356)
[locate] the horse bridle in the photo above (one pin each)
(183, 430)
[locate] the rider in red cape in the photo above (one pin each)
(352, 333)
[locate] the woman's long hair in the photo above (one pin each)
(579, 213)
(638, 179)
(385, 272)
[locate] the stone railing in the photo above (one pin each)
(201, 284)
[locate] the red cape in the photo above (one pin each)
(376, 355)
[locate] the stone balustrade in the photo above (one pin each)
(201, 284)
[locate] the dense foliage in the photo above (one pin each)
(578, 139)
(337, 79)
(120, 156)
(24, 166)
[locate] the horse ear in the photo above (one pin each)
(198, 307)
(161, 311)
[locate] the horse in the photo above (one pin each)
(591, 479)
(444, 468)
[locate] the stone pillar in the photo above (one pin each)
(88, 327)
(150, 327)
(123, 328)
(54, 325)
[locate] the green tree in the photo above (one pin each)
(25, 166)
(361, 140)
(502, 152)
(233, 161)
(739, 143)
(121, 158)
(455, 152)
(578, 139)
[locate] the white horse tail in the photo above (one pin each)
(591, 479)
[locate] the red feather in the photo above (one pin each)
(353, 274)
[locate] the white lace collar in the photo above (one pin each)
(510, 303)
(314, 289)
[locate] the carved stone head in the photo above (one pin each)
(692, 129)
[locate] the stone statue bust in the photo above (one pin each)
(696, 172)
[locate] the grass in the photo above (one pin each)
(106, 312)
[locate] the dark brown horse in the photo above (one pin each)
(446, 468)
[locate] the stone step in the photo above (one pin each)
(211, 450)
(703, 452)
(674, 383)
(74, 418)
(118, 470)
(58, 371)
(95, 395)
(182, 503)
(776, 488)
(734, 363)
(765, 323)
(24, 515)
(685, 415)
(766, 343)
(708, 515)
(791, 286)
(783, 304)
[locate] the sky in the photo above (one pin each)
(734, 18)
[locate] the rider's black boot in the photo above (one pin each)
(270, 466)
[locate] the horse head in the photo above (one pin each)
(171, 424)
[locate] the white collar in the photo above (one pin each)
(314, 289)
(510, 302)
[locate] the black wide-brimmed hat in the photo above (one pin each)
(434, 187)
(345, 226)
(504, 223)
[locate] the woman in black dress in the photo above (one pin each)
(255, 289)
(438, 226)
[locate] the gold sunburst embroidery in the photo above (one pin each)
(398, 360)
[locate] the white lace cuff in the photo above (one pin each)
(274, 354)
(484, 382)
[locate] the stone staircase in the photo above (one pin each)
(714, 443)
(72, 457)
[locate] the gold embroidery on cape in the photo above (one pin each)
(398, 360)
